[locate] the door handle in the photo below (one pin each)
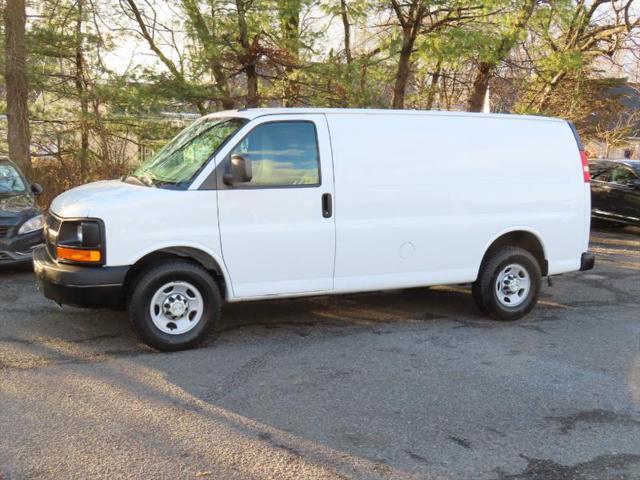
(327, 205)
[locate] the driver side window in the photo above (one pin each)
(282, 154)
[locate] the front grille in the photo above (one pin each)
(4, 231)
(52, 226)
(51, 249)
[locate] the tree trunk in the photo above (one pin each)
(433, 87)
(344, 13)
(290, 27)
(248, 58)
(486, 69)
(411, 24)
(363, 83)
(404, 69)
(480, 85)
(16, 85)
(205, 34)
(547, 92)
(252, 86)
(81, 90)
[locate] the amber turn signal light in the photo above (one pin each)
(78, 255)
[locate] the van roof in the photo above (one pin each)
(251, 113)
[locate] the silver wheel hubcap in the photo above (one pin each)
(176, 308)
(513, 285)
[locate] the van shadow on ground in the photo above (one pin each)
(41, 327)
(91, 335)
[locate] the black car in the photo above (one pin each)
(615, 191)
(21, 220)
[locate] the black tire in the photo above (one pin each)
(476, 293)
(150, 281)
(484, 288)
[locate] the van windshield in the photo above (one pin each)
(10, 180)
(178, 162)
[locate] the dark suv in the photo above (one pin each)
(21, 220)
(615, 191)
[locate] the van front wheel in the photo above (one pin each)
(508, 284)
(174, 305)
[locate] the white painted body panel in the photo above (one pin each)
(418, 197)
(449, 186)
(275, 241)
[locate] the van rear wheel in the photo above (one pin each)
(174, 305)
(508, 284)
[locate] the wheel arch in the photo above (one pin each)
(523, 238)
(203, 258)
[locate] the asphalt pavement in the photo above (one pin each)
(411, 384)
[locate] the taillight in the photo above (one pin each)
(586, 175)
(583, 155)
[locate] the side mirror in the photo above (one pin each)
(36, 189)
(239, 171)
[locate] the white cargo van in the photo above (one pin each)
(264, 203)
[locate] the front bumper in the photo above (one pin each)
(82, 286)
(19, 249)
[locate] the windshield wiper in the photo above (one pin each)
(166, 183)
(131, 179)
(145, 180)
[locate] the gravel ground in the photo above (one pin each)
(404, 384)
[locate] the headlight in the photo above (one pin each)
(79, 234)
(83, 233)
(80, 241)
(31, 225)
